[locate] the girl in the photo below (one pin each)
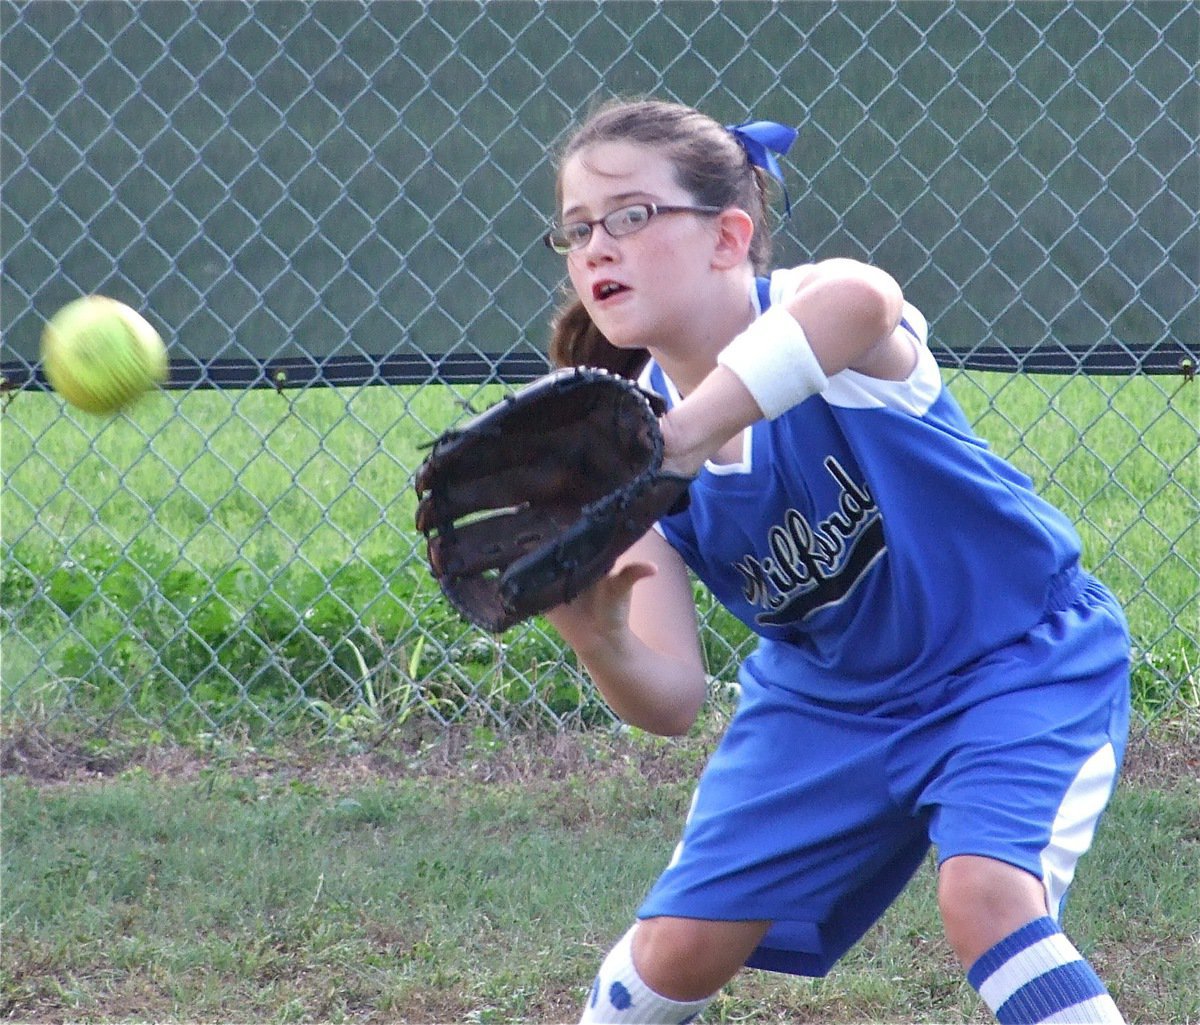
(933, 665)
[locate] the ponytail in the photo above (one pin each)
(575, 341)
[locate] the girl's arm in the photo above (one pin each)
(849, 312)
(848, 315)
(641, 645)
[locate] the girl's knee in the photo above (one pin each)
(690, 959)
(982, 900)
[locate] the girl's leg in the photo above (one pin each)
(982, 900)
(1024, 967)
(665, 971)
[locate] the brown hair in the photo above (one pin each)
(710, 165)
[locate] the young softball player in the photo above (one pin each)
(933, 666)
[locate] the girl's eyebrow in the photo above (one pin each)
(619, 200)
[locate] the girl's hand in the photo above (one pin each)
(601, 613)
(641, 644)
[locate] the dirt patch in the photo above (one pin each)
(1163, 760)
(46, 759)
(1166, 758)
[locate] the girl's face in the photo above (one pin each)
(641, 290)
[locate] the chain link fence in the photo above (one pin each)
(332, 212)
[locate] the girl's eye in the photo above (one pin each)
(630, 217)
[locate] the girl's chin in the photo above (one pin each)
(624, 342)
(620, 339)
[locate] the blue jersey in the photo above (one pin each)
(870, 538)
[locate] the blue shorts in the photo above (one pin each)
(815, 818)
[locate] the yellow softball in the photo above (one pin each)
(100, 355)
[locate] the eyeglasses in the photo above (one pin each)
(628, 220)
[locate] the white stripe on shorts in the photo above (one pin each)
(1075, 824)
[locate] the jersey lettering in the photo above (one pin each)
(809, 567)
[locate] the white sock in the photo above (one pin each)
(1035, 976)
(619, 996)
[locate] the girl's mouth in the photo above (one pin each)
(602, 290)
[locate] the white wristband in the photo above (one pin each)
(773, 359)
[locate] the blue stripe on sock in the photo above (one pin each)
(1059, 988)
(1036, 931)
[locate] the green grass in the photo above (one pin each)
(475, 882)
(249, 558)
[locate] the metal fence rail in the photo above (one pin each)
(319, 199)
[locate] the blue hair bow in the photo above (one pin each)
(762, 140)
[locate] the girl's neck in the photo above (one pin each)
(691, 355)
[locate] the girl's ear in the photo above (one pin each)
(735, 229)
